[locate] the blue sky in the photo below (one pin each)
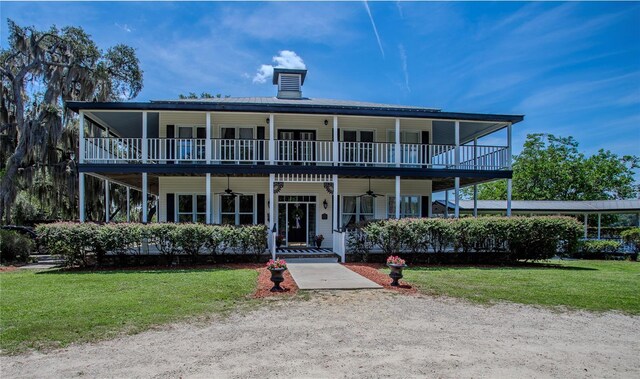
(570, 68)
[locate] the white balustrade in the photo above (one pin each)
(290, 151)
(129, 150)
(112, 150)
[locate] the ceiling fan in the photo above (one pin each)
(370, 193)
(228, 191)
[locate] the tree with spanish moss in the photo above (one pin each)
(41, 71)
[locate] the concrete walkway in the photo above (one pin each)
(328, 276)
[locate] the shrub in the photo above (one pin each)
(358, 243)
(597, 247)
(163, 237)
(14, 247)
(190, 238)
(73, 242)
(516, 238)
(252, 239)
(632, 237)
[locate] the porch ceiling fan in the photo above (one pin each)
(229, 191)
(370, 193)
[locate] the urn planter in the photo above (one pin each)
(396, 273)
(277, 277)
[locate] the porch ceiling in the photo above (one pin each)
(133, 180)
(129, 124)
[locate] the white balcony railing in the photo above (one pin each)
(247, 151)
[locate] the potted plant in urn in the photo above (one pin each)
(279, 240)
(319, 238)
(277, 269)
(396, 264)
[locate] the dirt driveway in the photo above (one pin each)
(361, 334)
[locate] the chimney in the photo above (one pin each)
(289, 82)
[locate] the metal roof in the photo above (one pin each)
(305, 101)
(551, 206)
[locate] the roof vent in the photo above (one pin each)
(289, 82)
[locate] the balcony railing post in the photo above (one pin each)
(207, 145)
(397, 153)
(336, 157)
(145, 142)
(82, 151)
(457, 141)
(272, 145)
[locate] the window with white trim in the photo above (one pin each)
(356, 209)
(191, 208)
(238, 210)
(409, 206)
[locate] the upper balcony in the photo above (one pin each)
(293, 152)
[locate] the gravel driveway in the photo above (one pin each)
(371, 333)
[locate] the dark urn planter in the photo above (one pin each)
(318, 244)
(277, 277)
(396, 273)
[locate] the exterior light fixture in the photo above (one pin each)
(325, 204)
(326, 122)
(268, 120)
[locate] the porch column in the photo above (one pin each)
(144, 197)
(272, 216)
(107, 202)
(446, 201)
(81, 197)
(509, 138)
(599, 217)
(128, 204)
(509, 185)
(397, 197)
(475, 200)
(207, 148)
(457, 142)
(336, 138)
(81, 148)
(586, 217)
(208, 196)
(456, 212)
(272, 142)
(336, 216)
(397, 144)
(145, 142)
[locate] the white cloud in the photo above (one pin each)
(284, 59)
(124, 27)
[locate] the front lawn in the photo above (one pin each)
(590, 285)
(51, 309)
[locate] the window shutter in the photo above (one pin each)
(201, 133)
(339, 223)
(171, 132)
(171, 208)
(260, 211)
(424, 213)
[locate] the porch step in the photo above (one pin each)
(313, 260)
(307, 253)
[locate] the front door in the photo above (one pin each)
(297, 224)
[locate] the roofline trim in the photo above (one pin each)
(76, 106)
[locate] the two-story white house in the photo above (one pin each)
(302, 166)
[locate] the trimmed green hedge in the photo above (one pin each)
(514, 238)
(597, 247)
(632, 237)
(79, 243)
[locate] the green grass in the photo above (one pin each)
(53, 309)
(590, 285)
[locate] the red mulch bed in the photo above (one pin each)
(7, 268)
(371, 272)
(265, 284)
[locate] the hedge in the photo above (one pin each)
(14, 247)
(87, 243)
(511, 238)
(596, 248)
(632, 238)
